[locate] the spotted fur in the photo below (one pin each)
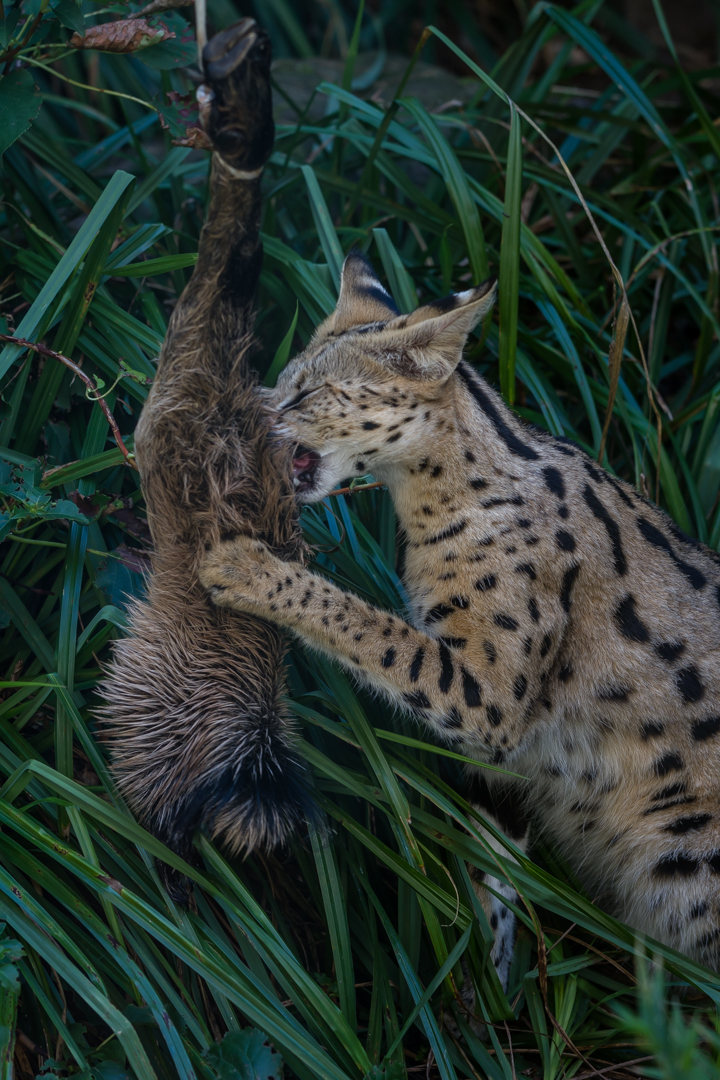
(590, 626)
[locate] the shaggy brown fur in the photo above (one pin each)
(198, 732)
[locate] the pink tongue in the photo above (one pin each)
(300, 463)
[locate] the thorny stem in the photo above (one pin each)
(43, 350)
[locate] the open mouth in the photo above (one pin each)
(305, 464)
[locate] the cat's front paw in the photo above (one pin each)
(235, 572)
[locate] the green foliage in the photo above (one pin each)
(682, 1048)
(348, 951)
(245, 1055)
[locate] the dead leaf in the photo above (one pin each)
(195, 138)
(85, 504)
(135, 525)
(134, 558)
(125, 36)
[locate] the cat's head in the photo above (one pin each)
(357, 398)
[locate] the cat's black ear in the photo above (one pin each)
(363, 299)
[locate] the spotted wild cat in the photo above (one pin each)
(561, 625)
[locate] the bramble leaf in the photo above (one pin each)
(19, 105)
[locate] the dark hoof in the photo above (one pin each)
(237, 114)
(229, 48)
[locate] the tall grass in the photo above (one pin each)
(589, 186)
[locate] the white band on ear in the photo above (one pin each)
(240, 174)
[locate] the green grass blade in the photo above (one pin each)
(401, 284)
(282, 353)
(324, 225)
(69, 262)
(458, 188)
(334, 900)
(509, 282)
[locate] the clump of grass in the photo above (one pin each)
(345, 953)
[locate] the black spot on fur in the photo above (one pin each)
(494, 715)
(490, 651)
(460, 602)
(447, 534)
(564, 540)
(651, 729)
(629, 622)
(478, 483)
(554, 481)
(486, 583)
(447, 671)
(506, 622)
(526, 568)
(592, 471)
(453, 719)
(417, 663)
(516, 500)
(520, 687)
(713, 861)
(669, 763)
(690, 823)
(505, 432)
(613, 693)
(670, 791)
(567, 583)
(681, 864)
(698, 909)
(527, 645)
(620, 490)
(611, 527)
(705, 729)
(417, 700)
(669, 651)
(389, 658)
(565, 672)
(658, 539)
(471, 690)
(369, 425)
(689, 684)
(436, 471)
(454, 642)
(435, 614)
(545, 645)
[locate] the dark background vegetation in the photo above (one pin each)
(344, 955)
